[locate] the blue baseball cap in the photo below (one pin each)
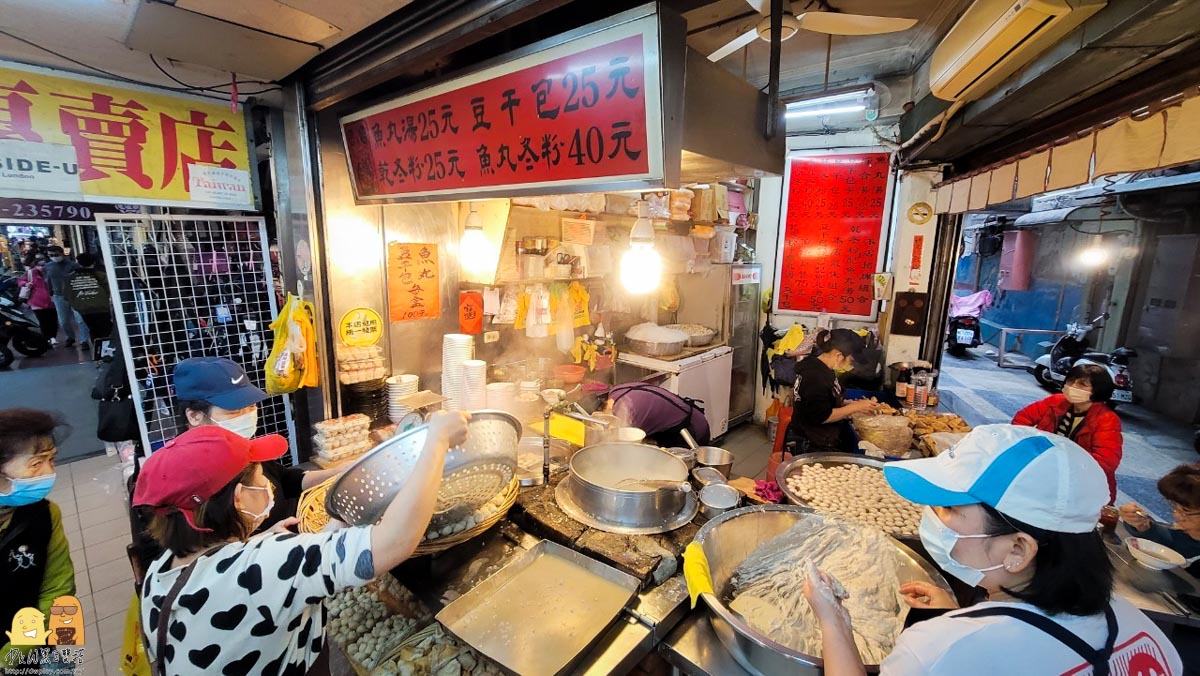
(216, 380)
(1038, 478)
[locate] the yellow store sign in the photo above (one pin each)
(67, 137)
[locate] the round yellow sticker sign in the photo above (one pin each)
(360, 327)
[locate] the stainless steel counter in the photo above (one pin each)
(693, 648)
(441, 579)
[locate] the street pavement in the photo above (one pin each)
(982, 393)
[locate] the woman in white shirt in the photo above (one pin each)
(221, 601)
(1012, 510)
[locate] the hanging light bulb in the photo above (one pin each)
(474, 246)
(641, 266)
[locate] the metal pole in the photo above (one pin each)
(773, 82)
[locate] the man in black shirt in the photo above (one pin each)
(820, 408)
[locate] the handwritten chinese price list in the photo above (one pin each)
(581, 116)
(413, 280)
(833, 233)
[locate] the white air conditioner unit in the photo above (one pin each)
(995, 38)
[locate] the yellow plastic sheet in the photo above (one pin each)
(696, 572)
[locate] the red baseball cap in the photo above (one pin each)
(196, 465)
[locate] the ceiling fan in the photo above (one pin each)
(825, 20)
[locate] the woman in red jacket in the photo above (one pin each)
(1079, 414)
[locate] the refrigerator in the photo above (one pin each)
(703, 377)
(736, 317)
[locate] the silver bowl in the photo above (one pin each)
(728, 540)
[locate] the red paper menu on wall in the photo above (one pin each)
(413, 278)
(832, 233)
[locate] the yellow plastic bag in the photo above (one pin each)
(312, 370)
(285, 365)
(134, 661)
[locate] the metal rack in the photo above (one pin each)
(191, 286)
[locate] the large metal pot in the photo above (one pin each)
(603, 482)
(728, 540)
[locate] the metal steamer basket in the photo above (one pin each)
(827, 459)
(473, 474)
(730, 539)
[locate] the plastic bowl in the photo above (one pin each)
(570, 373)
(1153, 555)
(631, 435)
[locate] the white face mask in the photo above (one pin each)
(258, 518)
(1076, 395)
(939, 540)
(244, 425)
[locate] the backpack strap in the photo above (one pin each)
(1097, 658)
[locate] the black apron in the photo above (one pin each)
(1098, 659)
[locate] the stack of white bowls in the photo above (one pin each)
(474, 386)
(457, 348)
(502, 397)
(399, 387)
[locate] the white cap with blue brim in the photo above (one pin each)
(1037, 478)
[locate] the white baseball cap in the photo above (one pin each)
(1037, 478)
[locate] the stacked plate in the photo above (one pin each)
(502, 397)
(474, 387)
(457, 348)
(369, 397)
(399, 387)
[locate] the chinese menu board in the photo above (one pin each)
(63, 138)
(413, 281)
(576, 118)
(833, 232)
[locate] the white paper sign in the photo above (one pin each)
(218, 185)
(38, 167)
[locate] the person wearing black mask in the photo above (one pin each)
(820, 409)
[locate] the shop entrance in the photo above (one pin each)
(50, 349)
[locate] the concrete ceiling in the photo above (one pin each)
(98, 32)
(854, 58)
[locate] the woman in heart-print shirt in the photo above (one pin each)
(242, 604)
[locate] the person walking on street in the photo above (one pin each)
(87, 291)
(58, 270)
(38, 297)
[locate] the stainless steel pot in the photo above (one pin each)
(716, 499)
(728, 540)
(716, 458)
(629, 485)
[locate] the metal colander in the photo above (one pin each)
(473, 474)
(480, 469)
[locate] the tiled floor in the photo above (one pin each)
(750, 448)
(92, 498)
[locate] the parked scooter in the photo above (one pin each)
(15, 328)
(962, 331)
(1073, 348)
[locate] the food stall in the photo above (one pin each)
(493, 241)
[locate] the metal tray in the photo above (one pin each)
(791, 467)
(649, 349)
(562, 497)
(542, 612)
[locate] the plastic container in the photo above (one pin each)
(725, 245)
(772, 428)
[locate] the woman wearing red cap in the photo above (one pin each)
(220, 600)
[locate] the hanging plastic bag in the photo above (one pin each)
(312, 370)
(285, 364)
(134, 661)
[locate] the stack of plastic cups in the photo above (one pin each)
(399, 387)
(474, 385)
(457, 348)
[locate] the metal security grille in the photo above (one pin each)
(191, 286)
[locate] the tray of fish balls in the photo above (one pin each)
(369, 622)
(434, 652)
(850, 486)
